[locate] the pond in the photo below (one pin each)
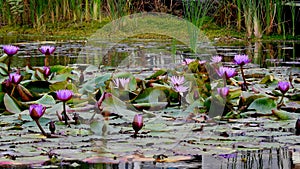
(171, 137)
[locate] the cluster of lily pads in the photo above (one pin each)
(188, 86)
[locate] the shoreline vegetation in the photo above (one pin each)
(220, 21)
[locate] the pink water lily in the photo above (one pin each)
(121, 82)
(10, 50)
(188, 61)
(216, 59)
(180, 89)
(47, 50)
(177, 80)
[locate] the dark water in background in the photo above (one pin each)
(146, 53)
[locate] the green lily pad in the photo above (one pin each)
(10, 104)
(263, 105)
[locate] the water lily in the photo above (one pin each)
(47, 50)
(177, 80)
(283, 86)
(10, 50)
(227, 72)
(46, 71)
(180, 89)
(241, 59)
(137, 123)
(36, 111)
(121, 82)
(216, 59)
(64, 95)
(224, 91)
(15, 78)
(188, 61)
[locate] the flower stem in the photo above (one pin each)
(13, 90)
(65, 113)
(281, 100)
(40, 127)
(243, 75)
(8, 63)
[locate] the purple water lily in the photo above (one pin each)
(216, 59)
(64, 95)
(36, 111)
(10, 50)
(283, 86)
(137, 123)
(177, 80)
(224, 91)
(15, 78)
(227, 72)
(241, 59)
(47, 50)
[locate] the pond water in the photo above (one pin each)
(147, 54)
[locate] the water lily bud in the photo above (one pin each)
(36, 111)
(137, 123)
(297, 126)
(224, 91)
(64, 95)
(46, 71)
(227, 72)
(47, 50)
(10, 50)
(283, 86)
(52, 127)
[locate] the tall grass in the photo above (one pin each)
(195, 12)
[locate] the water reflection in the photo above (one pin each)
(149, 53)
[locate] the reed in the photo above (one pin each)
(239, 15)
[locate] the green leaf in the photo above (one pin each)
(160, 72)
(100, 81)
(263, 105)
(10, 104)
(282, 115)
(46, 100)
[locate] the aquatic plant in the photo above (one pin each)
(283, 86)
(241, 60)
(224, 91)
(137, 123)
(177, 80)
(46, 71)
(47, 51)
(64, 95)
(10, 50)
(216, 59)
(36, 111)
(121, 83)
